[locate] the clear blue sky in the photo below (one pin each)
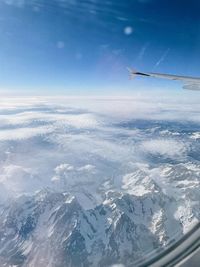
(71, 46)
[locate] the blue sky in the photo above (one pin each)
(83, 47)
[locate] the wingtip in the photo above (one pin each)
(131, 70)
(131, 73)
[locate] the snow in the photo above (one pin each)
(135, 186)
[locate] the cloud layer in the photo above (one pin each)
(89, 145)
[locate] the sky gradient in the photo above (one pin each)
(83, 47)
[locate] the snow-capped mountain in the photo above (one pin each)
(53, 229)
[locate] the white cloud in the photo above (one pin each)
(23, 133)
(149, 104)
(88, 168)
(61, 172)
(64, 168)
(195, 136)
(164, 147)
(17, 179)
(82, 143)
(74, 120)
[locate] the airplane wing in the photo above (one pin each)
(190, 83)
